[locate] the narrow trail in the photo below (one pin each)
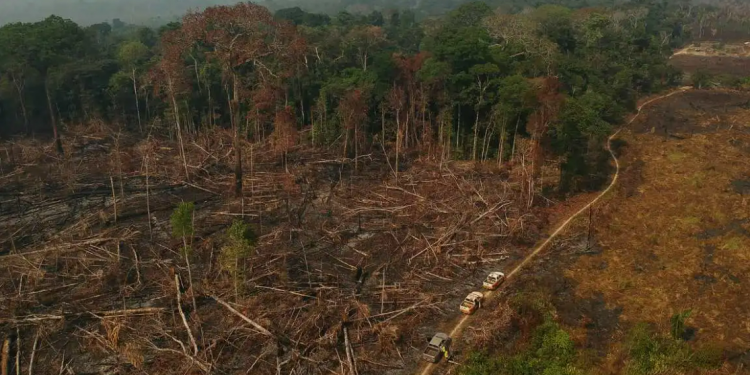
(458, 328)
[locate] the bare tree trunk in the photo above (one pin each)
(18, 351)
(190, 272)
(356, 148)
(148, 203)
(235, 113)
(398, 140)
(197, 76)
(458, 127)
(501, 146)
(513, 146)
(33, 352)
(405, 137)
(182, 315)
(19, 89)
(148, 107)
(137, 105)
(210, 107)
(382, 126)
(58, 142)
(114, 197)
(476, 132)
(176, 109)
(486, 141)
(346, 141)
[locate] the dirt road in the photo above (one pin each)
(458, 327)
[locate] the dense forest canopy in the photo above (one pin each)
(545, 84)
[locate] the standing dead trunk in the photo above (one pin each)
(458, 127)
(210, 107)
(148, 107)
(346, 141)
(356, 148)
(382, 126)
(137, 105)
(176, 109)
(513, 146)
(486, 141)
(476, 137)
(501, 145)
(405, 137)
(235, 113)
(186, 254)
(58, 142)
(398, 140)
(19, 89)
(148, 203)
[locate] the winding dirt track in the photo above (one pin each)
(458, 328)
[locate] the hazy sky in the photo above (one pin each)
(157, 12)
(86, 12)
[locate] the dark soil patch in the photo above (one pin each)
(734, 226)
(741, 359)
(741, 186)
(547, 275)
(728, 65)
(632, 177)
(743, 146)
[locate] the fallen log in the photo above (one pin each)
(98, 314)
(257, 326)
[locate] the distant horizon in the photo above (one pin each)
(89, 12)
(155, 13)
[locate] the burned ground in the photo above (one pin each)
(339, 248)
(727, 65)
(675, 235)
(713, 57)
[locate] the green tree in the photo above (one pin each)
(131, 56)
(48, 45)
(550, 352)
(677, 324)
(239, 246)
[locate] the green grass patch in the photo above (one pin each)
(690, 222)
(696, 180)
(734, 244)
(676, 156)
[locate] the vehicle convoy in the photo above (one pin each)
(437, 347)
(472, 302)
(493, 280)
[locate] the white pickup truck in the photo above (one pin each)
(472, 302)
(493, 280)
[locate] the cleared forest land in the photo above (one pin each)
(713, 57)
(347, 267)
